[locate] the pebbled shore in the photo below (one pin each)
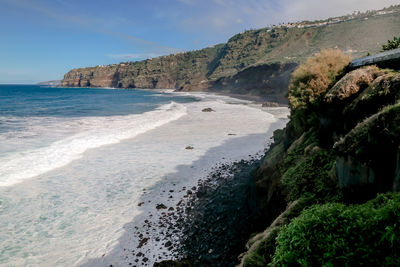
(210, 225)
(220, 216)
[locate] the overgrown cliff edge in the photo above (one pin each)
(328, 184)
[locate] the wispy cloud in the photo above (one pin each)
(93, 24)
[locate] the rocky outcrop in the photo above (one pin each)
(352, 83)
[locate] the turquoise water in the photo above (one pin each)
(42, 128)
(75, 163)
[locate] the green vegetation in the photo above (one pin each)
(384, 125)
(340, 147)
(339, 235)
(310, 177)
(392, 44)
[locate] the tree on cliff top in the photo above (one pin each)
(311, 80)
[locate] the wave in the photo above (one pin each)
(96, 132)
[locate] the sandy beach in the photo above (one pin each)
(157, 231)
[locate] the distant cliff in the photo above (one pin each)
(275, 51)
(51, 83)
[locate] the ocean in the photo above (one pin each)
(76, 162)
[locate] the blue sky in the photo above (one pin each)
(43, 39)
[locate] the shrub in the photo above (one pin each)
(310, 177)
(314, 77)
(392, 44)
(339, 235)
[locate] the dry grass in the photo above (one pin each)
(314, 77)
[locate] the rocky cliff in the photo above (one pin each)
(319, 184)
(270, 54)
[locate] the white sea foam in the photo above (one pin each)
(87, 211)
(95, 132)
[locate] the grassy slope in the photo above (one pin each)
(358, 36)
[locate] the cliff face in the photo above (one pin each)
(270, 81)
(238, 65)
(342, 147)
(173, 72)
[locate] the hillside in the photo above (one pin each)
(220, 66)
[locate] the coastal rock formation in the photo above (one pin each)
(173, 72)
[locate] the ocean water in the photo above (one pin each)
(75, 163)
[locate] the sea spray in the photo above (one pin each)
(97, 131)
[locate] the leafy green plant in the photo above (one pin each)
(339, 235)
(392, 44)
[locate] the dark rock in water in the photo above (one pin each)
(270, 105)
(168, 244)
(171, 263)
(160, 206)
(208, 110)
(189, 148)
(142, 242)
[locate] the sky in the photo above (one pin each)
(41, 40)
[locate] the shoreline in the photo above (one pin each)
(97, 197)
(167, 228)
(255, 99)
(158, 229)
